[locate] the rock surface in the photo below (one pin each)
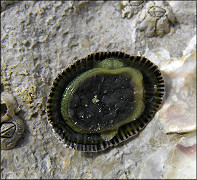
(40, 38)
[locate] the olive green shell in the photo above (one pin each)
(154, 93)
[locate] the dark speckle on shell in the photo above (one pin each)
(104, 99)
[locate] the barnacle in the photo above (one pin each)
(129, 8)
(104, 99)
(156, 19)
(11, 131)
(8, 106)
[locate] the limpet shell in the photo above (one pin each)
(104, 99)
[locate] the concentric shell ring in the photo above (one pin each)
(154, 93)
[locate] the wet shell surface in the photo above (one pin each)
(104, 99)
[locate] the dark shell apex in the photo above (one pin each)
(104, 99)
